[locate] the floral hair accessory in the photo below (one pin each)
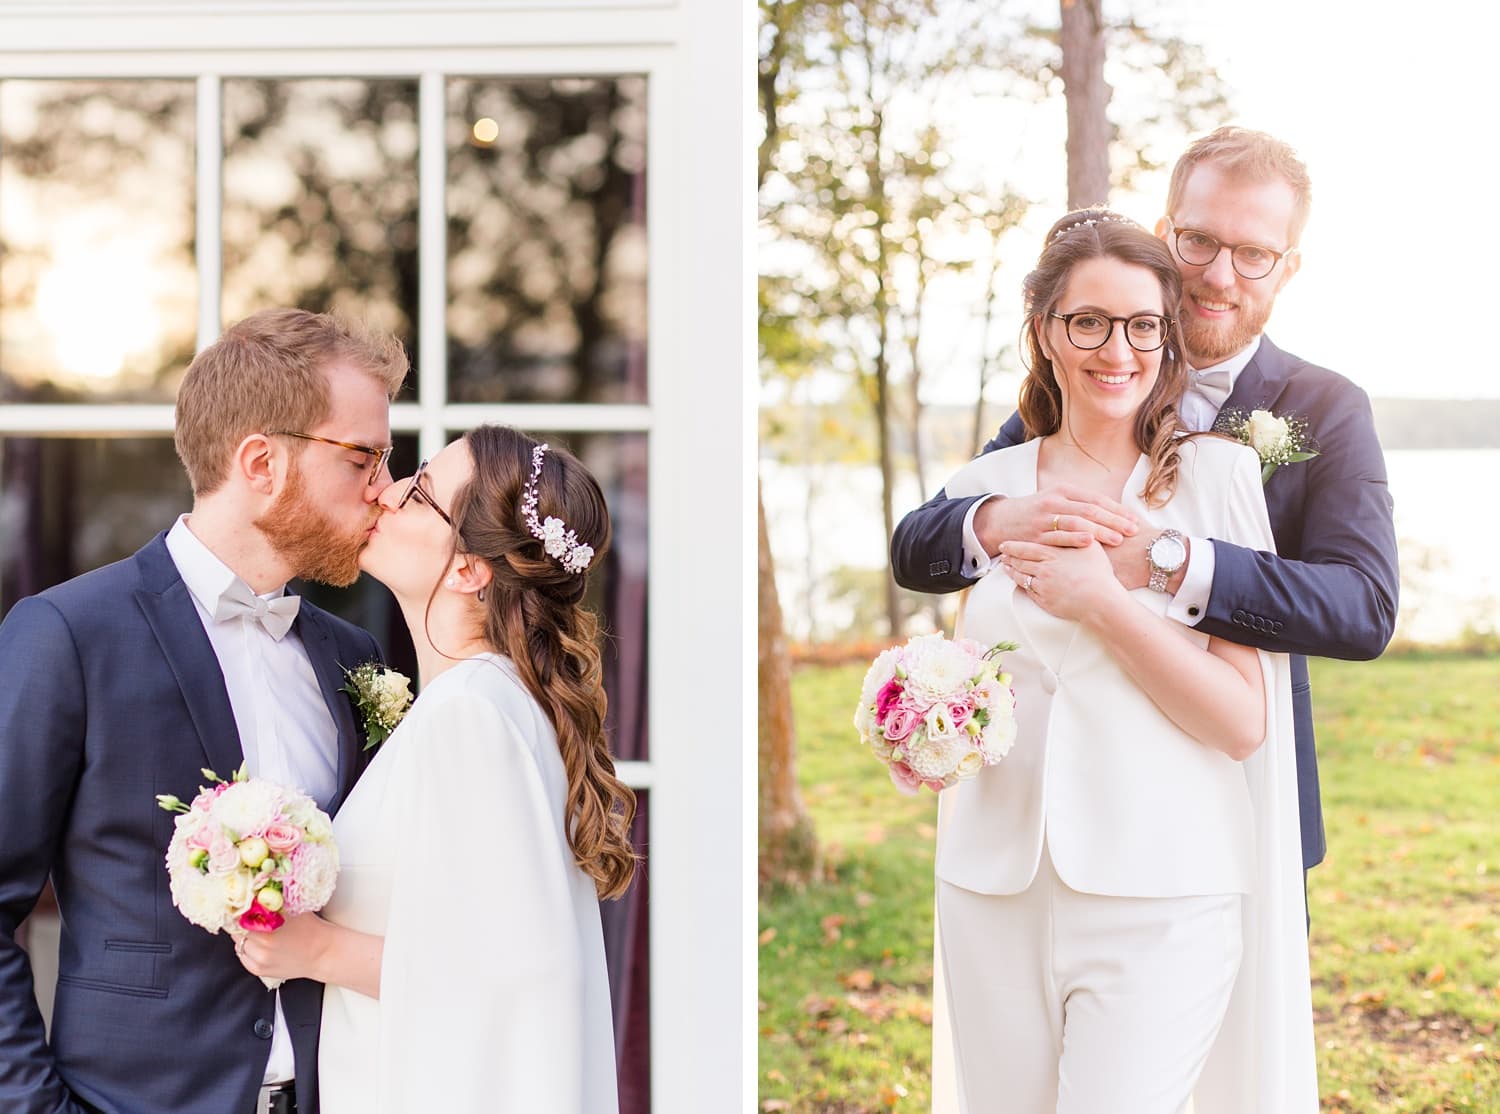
(559, 542)
(382, 696)
(1102, 217)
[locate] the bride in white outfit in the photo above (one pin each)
(1120, 907)
(462, 952)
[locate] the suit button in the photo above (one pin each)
(1238, 618)
(263, 1028)
(1049, 681)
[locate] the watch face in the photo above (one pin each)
(1168, 553)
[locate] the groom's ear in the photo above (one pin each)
(254, 462)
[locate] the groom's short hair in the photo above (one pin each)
(1249, 156)
(268, 372)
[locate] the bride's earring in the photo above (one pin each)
(450, 583)
(481, 595)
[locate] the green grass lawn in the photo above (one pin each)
(1405, 911)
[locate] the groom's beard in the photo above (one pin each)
(1209, 342)
(310, 541)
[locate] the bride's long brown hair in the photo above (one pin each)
(1093, 234)
(533, 614)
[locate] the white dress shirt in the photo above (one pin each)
(285, 728)
(1198, 412)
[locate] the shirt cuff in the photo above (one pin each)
(977, 560)
(1190, 603)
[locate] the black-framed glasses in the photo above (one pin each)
(1089, 329)
(1250, 261)
(380, 455)
(414, 488)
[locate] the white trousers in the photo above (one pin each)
(1079, 1004)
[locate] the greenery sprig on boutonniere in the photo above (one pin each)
(1276, 441)
(381, 695)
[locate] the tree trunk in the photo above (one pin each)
(788, 844)
(1087, 97)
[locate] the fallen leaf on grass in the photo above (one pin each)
(860, 979)
(767, 936)
(1368, 999)
(832, 926)
(815, 1005)
(864, 900)
(1436, 975)
(770, 1106)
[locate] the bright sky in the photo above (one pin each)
(1392, 108)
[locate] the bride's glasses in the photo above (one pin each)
(414, 488)
(1089, 329)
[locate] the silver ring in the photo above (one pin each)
(1027, 586)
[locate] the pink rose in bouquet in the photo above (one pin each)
(936, 710)
(247, 853)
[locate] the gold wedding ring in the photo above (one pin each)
(1055, 526)
(1027, 586)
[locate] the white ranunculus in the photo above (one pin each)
(246, 807)
(998, 736)
(200, 898)
(1267, 432)
(936, 668)
(237, 891)
(971, 763)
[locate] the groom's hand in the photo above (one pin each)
(1059, 515)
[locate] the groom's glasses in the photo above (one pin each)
(414, 489)
(1089, 329)
(380, 456)
(1250, 261)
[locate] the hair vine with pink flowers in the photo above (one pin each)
(559, 542)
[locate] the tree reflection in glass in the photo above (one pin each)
(98, 295)
(546, 239)
(320, 200)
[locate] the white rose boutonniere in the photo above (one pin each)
(382, 696)
(1276, 440)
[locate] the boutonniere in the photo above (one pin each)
(1276, 441)
(381, 696)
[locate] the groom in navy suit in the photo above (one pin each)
(126, 682)
(1236, 206)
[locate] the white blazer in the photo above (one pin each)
(1130, 805)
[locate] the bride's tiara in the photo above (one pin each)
(559, 542)
(1088, 222)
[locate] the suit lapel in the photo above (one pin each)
(322, 652)
(173, 617)
(1261, 383)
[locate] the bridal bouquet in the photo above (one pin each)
(937, 710)
(248, 853)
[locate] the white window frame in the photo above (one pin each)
(694, 55)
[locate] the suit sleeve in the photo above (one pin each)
(42, 710)
(1337, 599)
(927, 549)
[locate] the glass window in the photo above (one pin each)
(320, 200)
(98, 294)
(547, 239)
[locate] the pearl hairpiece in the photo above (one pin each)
(559, 542)
(1088, 222)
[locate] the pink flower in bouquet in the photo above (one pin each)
(887, 698)
(904, 778)
(960, 712)
(281, 838)
(900, 723)
(260, 919)
(223, 855)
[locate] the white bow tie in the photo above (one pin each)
(238, 601)
(1214, 385)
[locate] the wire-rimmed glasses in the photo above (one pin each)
(1089, 329)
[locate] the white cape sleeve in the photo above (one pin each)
(482, 989)
(1264, 1058)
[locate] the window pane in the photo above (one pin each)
(68, 505)
(98, 291)
(320, 200)
(547, 239)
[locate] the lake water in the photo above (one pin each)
(1446, 528)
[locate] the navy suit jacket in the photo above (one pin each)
(1330, 590)
(110, 694)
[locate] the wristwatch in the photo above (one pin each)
(1167, 552)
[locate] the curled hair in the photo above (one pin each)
(533, 614)
(1098, 234)
(269, 372)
